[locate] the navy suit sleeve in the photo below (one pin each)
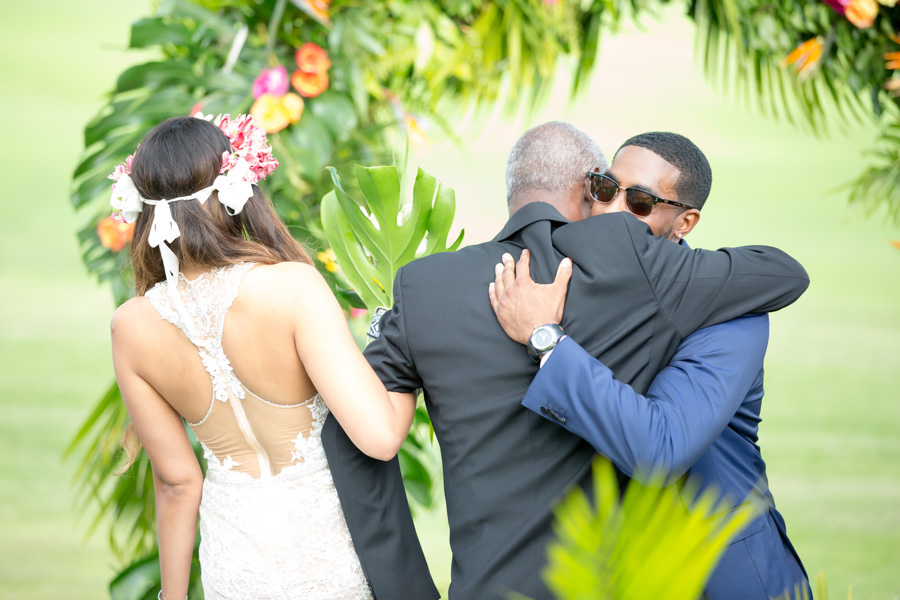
(389, 353)
(686, 408)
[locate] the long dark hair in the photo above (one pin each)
(179, 157)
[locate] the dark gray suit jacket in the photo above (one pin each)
(631, 300)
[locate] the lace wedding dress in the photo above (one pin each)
(271, 525)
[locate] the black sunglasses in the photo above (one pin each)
(604, 189)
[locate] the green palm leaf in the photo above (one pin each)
(646, 546)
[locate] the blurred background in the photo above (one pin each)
(832, 408)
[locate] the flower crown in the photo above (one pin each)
(249, 161)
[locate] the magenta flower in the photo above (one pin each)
(840, 6)
(271, 81)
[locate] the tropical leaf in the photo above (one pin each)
(375, 234)
(646, 546)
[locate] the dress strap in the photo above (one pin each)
(198, 307)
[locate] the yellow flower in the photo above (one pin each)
(805, 57)
(293, 106)
(862, 13)
(269, 113)
(274, 113)
(327, 258)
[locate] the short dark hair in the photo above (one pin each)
(695, 179)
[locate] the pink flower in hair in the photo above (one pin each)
(122, 169)
(249, 146)
(229, 161)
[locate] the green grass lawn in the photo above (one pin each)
(831, 412)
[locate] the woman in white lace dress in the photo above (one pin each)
(234, 331)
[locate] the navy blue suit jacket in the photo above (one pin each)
(700, 418)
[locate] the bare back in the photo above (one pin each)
(224, 359)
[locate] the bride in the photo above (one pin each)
(234, 331)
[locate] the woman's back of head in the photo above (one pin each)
(178, 158)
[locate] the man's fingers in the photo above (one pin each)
(523, 267)
(563, 274)
(509, 270)
(499, 288)
(492, 294)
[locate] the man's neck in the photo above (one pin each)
(557, 201)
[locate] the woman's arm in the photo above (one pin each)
(376, 421)
(177, 478)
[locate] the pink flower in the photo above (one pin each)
(122, 169)
(839, 6)
(250, 148)
(229, 161)
(271, 81)
(358, 312)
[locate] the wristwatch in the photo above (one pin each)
(543, 339)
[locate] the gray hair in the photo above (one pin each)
(551, 157)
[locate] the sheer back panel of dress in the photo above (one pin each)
(240, 432)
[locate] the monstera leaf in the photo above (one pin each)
(404, 213)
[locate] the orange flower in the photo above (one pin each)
(895, 244)
(805, 56)
(114, 234)
(312, 58)
(309, 85)
(318, 9)
(862, 13)
(274, 113)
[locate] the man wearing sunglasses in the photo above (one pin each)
(699, 419)
(504, 468)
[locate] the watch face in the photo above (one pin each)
(542, 338)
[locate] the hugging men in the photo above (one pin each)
(632, 300)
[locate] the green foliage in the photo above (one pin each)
(879, 185)
(394, 65)
(403, 213)
(745, 44)
(399, 218)
(141, 579)
(645, 546)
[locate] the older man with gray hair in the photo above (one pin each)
(548, 164)
(506, 467)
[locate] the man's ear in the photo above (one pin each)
(686, 222)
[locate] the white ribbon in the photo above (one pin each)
(233, 193)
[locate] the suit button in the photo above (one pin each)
(552, 414)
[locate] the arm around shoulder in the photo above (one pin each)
(375, 421)
(697, 288)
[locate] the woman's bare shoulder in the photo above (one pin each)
(131, 315)
(285, 282)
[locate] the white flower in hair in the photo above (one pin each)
(233, 187)
(249, 160)
(125, 198)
